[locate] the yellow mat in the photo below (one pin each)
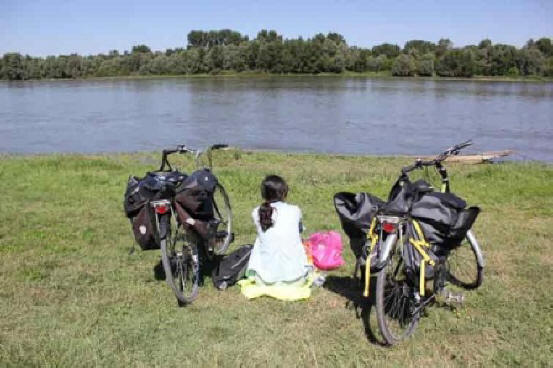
(282, 291)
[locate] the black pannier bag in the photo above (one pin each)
(231, 268)
(465, 220)
(403, 194)
(195, 194)
(133, 200)
(138, 194)
(412, 258)
(443, 218)
(143, 228)
(356, 211)
(153, 186)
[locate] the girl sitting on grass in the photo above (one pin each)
(278, 257)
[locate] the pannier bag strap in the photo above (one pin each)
(419, 245)
(373, 237)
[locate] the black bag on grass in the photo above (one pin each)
(232, 267)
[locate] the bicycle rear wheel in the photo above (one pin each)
(181, 265)
(223, 215)
(395, 301)
(465, 266)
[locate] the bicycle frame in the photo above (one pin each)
(394, 231)
(397, 225)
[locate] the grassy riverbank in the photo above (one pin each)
(72, 296)
(347, 74)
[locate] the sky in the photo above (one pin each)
(53, 27)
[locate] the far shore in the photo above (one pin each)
(385, 75)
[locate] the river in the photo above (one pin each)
(307, 114)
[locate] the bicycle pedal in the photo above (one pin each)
(450, 297)
(455, 299)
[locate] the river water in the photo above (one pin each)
(307, 114)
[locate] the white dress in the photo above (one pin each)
(278, 253)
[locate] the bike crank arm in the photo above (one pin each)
(423, 305)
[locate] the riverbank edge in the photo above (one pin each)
(229, 74)
(252, 151)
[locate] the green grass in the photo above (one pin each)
(72, 296)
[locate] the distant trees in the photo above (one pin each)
(221, 37)
(13, 67)
(425, 65)
(227, 50)
(387, 49)
(419, 46)
(456, 63)
(404, 66)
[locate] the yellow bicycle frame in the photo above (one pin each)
(373, 237)
(420, 244)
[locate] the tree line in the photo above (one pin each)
(227, 50)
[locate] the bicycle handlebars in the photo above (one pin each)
(181, 148)
(451, 151)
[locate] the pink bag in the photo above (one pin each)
(326, 249)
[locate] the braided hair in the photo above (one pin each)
(273, 189)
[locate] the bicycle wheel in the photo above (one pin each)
(395, 301)
(465, 265)
(223, 215)
(181, 265)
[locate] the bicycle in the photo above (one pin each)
(398, 241)
(188, 211)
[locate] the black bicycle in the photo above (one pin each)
(417, 236)
(188, 217)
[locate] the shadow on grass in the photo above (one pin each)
(352, 290)
(206, 269)
(159, 272)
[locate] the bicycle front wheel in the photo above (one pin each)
(181, 265)
(395, 301)
(223, 215)
(465, 264)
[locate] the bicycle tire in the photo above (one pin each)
(225, 216)
(395, 301)
(465, 265)
(181, 266)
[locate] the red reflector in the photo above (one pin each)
(162, 209)
(389, 228)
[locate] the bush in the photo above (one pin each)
(513, 72)
(456, 63)
(425, 65)
(403, 66)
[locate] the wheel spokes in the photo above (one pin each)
(397, 300)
